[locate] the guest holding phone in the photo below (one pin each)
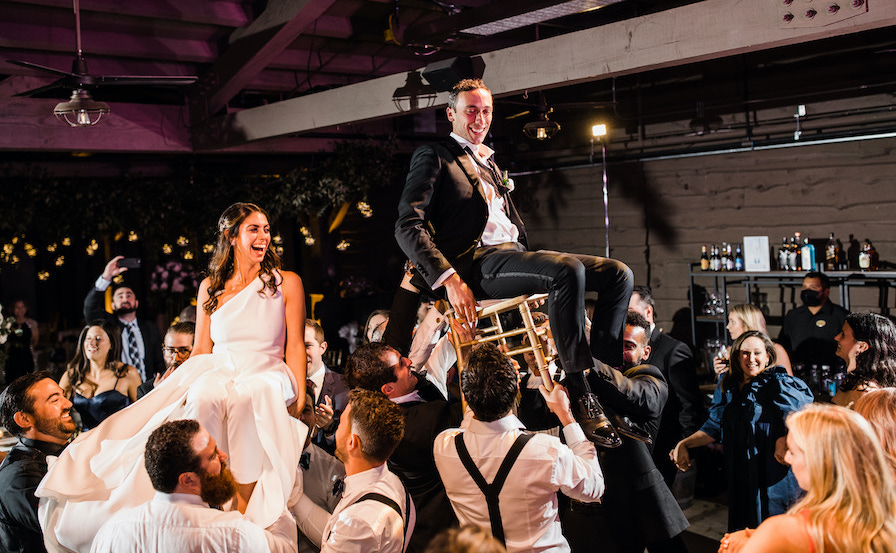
(140, 339)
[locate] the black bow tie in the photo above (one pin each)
(305, 460)
(338, 487)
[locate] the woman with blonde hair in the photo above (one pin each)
(741, 318)
(879, 407)
(850, 496)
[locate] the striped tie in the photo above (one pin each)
(134, 350)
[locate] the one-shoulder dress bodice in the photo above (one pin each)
(251, 321)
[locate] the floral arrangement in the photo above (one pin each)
(174, 277)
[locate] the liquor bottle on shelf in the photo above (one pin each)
(807, 255)
(730, 258)
(792, 256)
(868, 257)
(739, 259)
(782, 255)
(725, 257)
(704, 259)
(831, 255)
(715, 261)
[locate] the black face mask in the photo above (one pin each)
(811, 298)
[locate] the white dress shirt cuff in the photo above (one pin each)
(443, 277)
(574, 434)
(101, 284)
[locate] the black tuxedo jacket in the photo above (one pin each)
(443, 211)
(684, 412)
(637, 504)
(95, 308)
(413, 462)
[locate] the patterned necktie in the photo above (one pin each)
(134, 350)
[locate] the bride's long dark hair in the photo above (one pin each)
(221, 267)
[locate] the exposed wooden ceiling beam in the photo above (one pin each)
(697, 32)
(224, 13)
(28, 124)
(254, 47)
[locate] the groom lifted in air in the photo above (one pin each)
(460, 230)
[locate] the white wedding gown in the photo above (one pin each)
(239, 392)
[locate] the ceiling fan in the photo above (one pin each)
(82, 110)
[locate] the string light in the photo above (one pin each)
(66, 241)
(277, 239)
(365, 209)
(208, 248)
(132, 236)
(52, 247)
(343, 245)
(30, 250)
(60, 261)
(166, 248)
(43, 275)
(309, 238)
(92, 247)
(188, 255)
(182, 241)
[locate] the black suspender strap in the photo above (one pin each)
(493, 490)
(373, 496)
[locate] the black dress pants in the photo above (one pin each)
(507, 270)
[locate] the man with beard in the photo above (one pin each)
(190, 476)
(35, 410)
(141, 345)
(177, 349)
(376, 513)
(637, 509)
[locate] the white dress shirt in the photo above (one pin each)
(318, 379)
(369, 525)
(499, 229)
(528, 500)
(184, 523)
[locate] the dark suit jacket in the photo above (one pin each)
(637, 507)
(335, 387)
(684, 411)
(95, 308)
(413, 462)
(443, 212)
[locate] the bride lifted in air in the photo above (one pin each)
(248, 364)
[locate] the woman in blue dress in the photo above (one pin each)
(97, 383)
(747, 418)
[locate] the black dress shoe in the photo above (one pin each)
(629, 429)
(595, 424)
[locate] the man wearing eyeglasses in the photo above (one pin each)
(177, 349)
